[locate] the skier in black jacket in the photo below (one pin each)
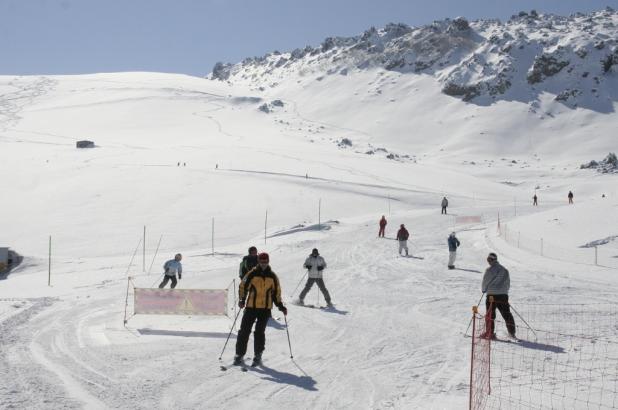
(248, 262)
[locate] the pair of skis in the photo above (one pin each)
(310, 306)
(242, 365)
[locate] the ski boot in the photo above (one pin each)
(237, 360)
(488, 336)
(257, 360)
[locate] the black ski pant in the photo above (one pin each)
(443, 209)
(502, 303)
(321, 285)
(259, 337)
(167, 279)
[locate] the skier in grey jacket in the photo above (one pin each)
(172, 267)
(444, 205)
(496, 284)
(315, 264)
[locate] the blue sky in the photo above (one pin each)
(190, 36)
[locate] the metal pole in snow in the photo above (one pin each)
(49, 264)
(156, 253)
(144, 251)
(596, 255)
(320, 213)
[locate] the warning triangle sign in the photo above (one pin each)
(186, 305)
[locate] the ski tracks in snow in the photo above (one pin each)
(12, 103)
(25, 382)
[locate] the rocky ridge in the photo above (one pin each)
(481, 61)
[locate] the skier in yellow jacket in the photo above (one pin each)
(258, 291)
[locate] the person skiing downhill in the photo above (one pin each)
(402, 237)
(248, 262)
(258, 291)
(570, 196)
(171, 268)
(495, 285)
(315, 264)
(453, 244)
(382, 227)
(444, 205)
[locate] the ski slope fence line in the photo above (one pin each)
(480, 388)
(593, 255)
(568, 359)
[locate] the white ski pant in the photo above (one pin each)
(451, 258)
(403, 245)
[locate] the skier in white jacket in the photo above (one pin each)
(315, 264)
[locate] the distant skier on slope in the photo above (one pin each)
(257, 292)
(248, 262)
(402, 237)
(171, 268)
(453, 244)
(570, 196)
(315, 264)
(444, 205)
(382, 227)
(496, 284)
(535, 200)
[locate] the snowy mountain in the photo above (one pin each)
(481, 61)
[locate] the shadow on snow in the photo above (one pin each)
(180, 333)
(304, 382)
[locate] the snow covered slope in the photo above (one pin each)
(532, 73)
(175, 152)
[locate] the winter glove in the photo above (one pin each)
(241, 304)
(179, 276)
(283, 310)
(320, 268)
(307, 266)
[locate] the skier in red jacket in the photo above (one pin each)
(382, 227)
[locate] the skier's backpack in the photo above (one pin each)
(248, 262)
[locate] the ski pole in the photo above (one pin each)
(288, 333)
(523, 320)
(478, 303)
(230, 334)
(299, 282)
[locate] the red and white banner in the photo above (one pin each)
(180, 301)
(468, 219)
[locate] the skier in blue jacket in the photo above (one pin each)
(172, 267)
(453, 244)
